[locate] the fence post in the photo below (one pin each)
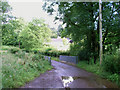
(48, 58)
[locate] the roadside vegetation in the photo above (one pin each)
(19, 67)
(55, 58)
(110, 68)
(24, 43)
(81, 26)
(20, 63)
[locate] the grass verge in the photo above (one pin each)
(55, 58)
(95, 68)
(19, 68)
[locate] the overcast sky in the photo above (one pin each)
(29, 9)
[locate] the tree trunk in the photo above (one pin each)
(93, 35)
(98, 46)
(89, 45)
(100, 22)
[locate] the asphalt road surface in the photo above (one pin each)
(67, 76)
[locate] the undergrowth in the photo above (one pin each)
(97, 69)
(55, 58)
(21, 67)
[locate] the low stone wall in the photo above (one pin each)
(72, 59)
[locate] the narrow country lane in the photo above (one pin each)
(64, 75)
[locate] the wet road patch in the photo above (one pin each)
(69, 80)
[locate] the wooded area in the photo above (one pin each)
(82, 27)
(16, 31)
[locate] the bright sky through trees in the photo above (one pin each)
(29, 9)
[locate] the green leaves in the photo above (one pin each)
(10, 32)
(82, 23)
(34, 34)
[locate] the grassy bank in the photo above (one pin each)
(21, 67)
(55, 58)
(95, 68)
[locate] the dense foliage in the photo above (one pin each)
(81, 22)
(15, 31)
(111, 62)
(11, 30)
(34, 34)
(4, 16)
(19, 67)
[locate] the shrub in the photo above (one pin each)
(83, 55)
(5, 47)
(49, 49)
(111, 62)
(37, 57)
(20, 54)
(95, 68)
(41, 56)
(14, 50)
(55, 53)
(15, 74)
(35, 51)
(64, 53)
(114, 78)
(55, 58)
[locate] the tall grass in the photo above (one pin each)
(6, 47)
(21, 67)
(110, 68)
(0, 71)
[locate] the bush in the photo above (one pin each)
(64, 53)
(5, 47)
(78, 50)
(15, 74)
(114, 78)
(55, 58)
(54, 53)
(83, 55)
(95, 68)
(49, 49)
(37, 57)
(111, 63)
(20, 54)
(14, 50)
(35, 51)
